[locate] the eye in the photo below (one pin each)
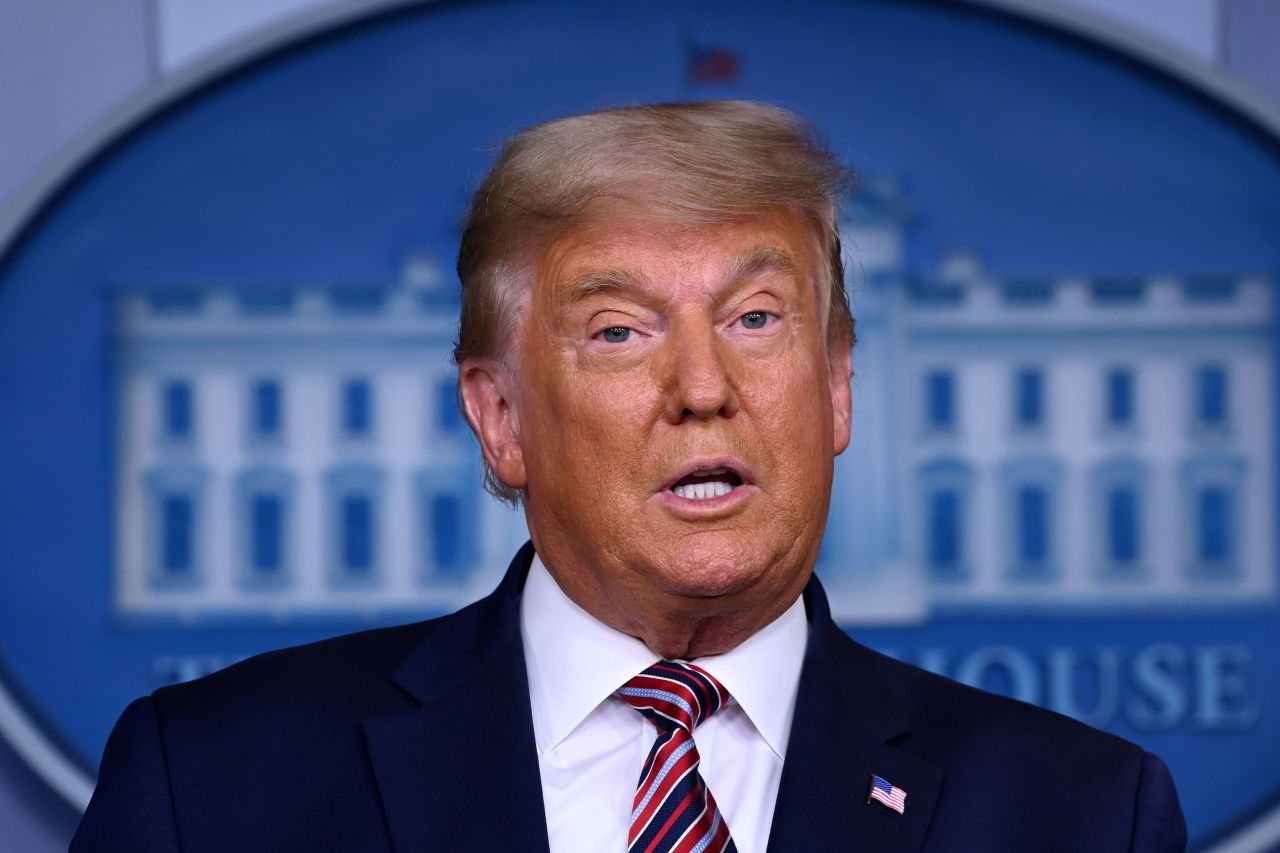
(754, 319)
(615, 334)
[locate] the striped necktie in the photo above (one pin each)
(674, 811)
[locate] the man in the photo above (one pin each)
(654, 354)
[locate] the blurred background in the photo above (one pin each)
(227, 300)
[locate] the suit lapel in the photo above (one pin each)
(844, 730)
(463, 764)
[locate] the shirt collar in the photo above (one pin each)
(763, 674)
(575, 662)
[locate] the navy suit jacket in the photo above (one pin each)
(420, 738)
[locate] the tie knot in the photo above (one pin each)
(673, 694)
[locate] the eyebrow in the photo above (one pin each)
(597, 282)
(761, 259)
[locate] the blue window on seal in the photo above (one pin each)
(1213, 525)
(1029, 398)
(449, 417)
(267, 410)
(447, 527)
(267, 535)
(357, 533)
(357, 408)
(1119, 397)
(177, 549)
(1124, 532)
(944, 531)
(178, 405)
(1212, 395)
(1033, 526)
(945, 508)
(939, 391)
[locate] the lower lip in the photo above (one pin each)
(708, 507)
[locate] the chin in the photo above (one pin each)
(713, 570)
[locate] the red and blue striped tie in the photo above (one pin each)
(674, 811)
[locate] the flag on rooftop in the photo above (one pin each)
(706, 64)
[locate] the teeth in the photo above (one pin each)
(704, 491)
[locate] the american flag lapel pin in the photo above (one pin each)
(888, 794)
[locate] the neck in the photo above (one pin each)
(681, 626)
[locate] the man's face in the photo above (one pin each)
(677, 413)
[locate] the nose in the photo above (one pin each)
(700, 385)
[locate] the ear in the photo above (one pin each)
(840, 371)
(487, 397)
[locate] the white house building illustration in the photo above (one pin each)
(1059, 442)
(296, 452)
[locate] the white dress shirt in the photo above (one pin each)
(591, 745)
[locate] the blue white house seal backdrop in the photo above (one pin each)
(229, 421)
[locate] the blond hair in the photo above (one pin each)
(700, 163)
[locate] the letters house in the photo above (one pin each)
(1065, 441)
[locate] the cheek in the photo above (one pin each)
(792, 409)
(596, 426)
(790, 394)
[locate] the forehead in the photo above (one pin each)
(654, 252)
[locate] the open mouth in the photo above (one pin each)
(706, 484)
